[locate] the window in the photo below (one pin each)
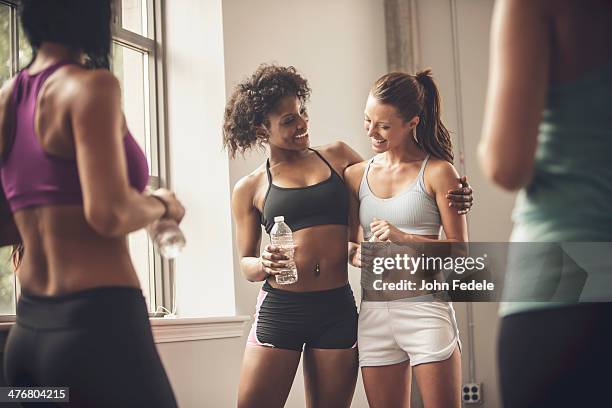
(137, 64)
(15, 53)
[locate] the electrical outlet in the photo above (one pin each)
(471, 393)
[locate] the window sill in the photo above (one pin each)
(6, 326)
(188, 328)
(169, 330)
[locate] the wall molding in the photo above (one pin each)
(170, 330)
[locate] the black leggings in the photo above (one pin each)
(98, 342)
(557, 358)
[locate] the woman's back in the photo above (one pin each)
(63, 252)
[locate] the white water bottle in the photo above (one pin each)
(282, 237)
(167, 237)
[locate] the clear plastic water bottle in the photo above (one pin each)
(282, 237)
(167, 237)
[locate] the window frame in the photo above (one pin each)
(14, 51)
(161, 271)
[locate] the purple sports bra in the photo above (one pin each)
(32, 177)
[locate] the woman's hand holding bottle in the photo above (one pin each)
(165, 232)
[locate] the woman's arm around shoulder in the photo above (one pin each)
(340, 155)
(353, 175)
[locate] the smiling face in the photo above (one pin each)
(386, 129)
(287, 125)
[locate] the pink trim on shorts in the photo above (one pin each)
(252, 340)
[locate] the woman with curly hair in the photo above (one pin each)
(317, 314)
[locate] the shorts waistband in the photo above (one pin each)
(402, 304)
(89, 307)
(319, 294)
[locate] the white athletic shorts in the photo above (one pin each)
(393, 332)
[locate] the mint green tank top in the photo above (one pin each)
(570, 197)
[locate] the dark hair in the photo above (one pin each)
(83, 25)
(253, 99)
(417, 95)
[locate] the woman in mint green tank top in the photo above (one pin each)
(548, 133)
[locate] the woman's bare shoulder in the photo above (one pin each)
(248, 184)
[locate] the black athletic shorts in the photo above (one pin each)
(325, 319)
(97, 342)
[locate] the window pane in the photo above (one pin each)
(25, 50)
(7, 282)
(7, 277)
(129, 66)
(134, 16)
(5, 43)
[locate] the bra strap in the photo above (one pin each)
(323, 158)
(328, 165)
(421, 176)
(268, 171)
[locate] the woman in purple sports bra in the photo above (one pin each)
(73, 178)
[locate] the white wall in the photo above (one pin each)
(203, 374)
(199, 167)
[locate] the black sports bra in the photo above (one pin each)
(323, 203)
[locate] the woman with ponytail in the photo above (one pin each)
(400, 196)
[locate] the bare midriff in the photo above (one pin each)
(63, 254)
(320, 258)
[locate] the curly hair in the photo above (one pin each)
(252, 101)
